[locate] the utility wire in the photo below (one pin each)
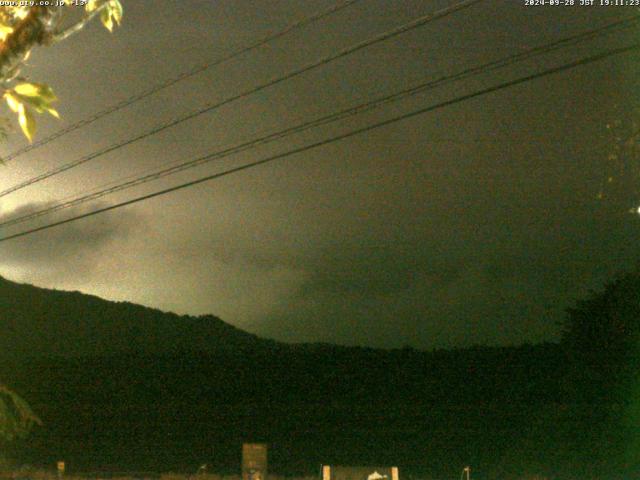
(340, 115)
(182, 76)
(352, 133)
(323, 61)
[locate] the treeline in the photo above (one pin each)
(567, 410)
(427, 412)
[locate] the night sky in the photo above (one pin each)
(473, 224)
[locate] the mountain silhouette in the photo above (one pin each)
(42, 322)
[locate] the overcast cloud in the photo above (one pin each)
(474, 224)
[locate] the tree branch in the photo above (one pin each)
(66, 33)
(34, 29)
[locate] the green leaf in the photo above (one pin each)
(111, 14)
(28, 89)
(27, 122)
(5, 30)
(116, 10)
(53, 112)
(36, 102)
(105, 17)
(92, 5)
(47, 93)
(13, 101)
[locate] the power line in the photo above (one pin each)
(340, 115)
(323, 61)
(421, 111)
(182, 76)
